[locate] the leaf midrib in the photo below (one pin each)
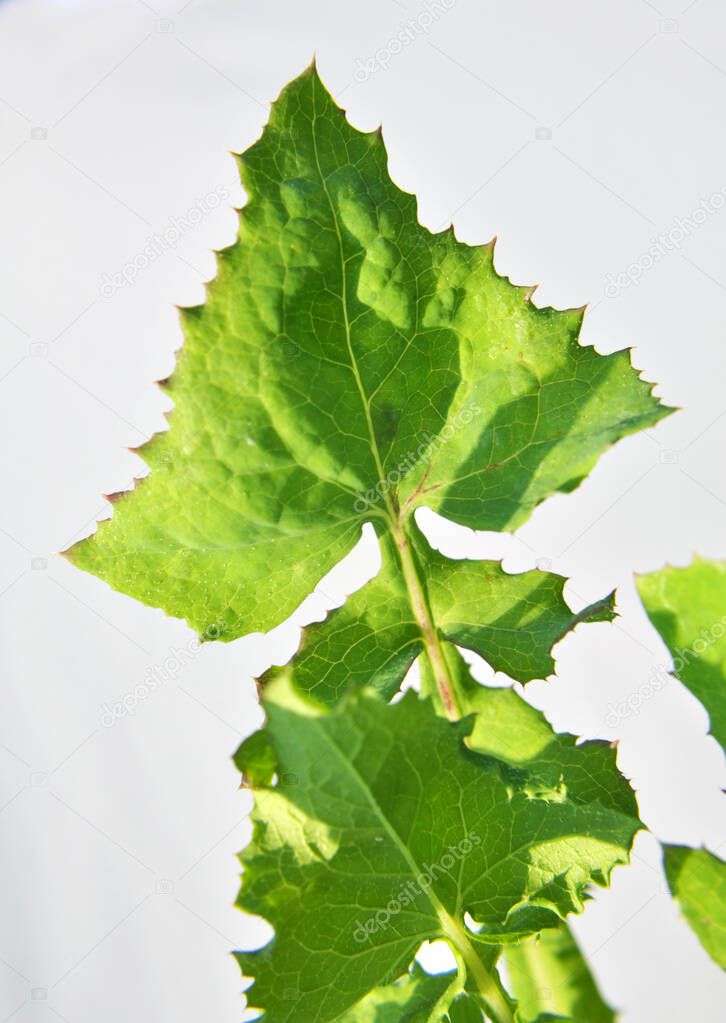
(344, 307)
(378, 810)
(424, 618)
(451, 929)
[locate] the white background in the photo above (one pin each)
(118, 844)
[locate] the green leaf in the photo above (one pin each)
(687, 606)
(465, 1010)
(697, 880)
(546, 1017)
(383, 831)
(255, 759)
(348, 365)
(512, 621)
(418, 997)
(549, 974)
(506, 727)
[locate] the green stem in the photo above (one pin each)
(445, 683)
(488, 989)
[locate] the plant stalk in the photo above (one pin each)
(445, 684)
(489, 992)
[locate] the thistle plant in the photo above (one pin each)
(350, 367)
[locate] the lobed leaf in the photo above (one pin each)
(383, 831)
(688, 608)
(417, 997)
(686, 605)
(348, 365)
(511, 620)
(697, 881)
(549, 974)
